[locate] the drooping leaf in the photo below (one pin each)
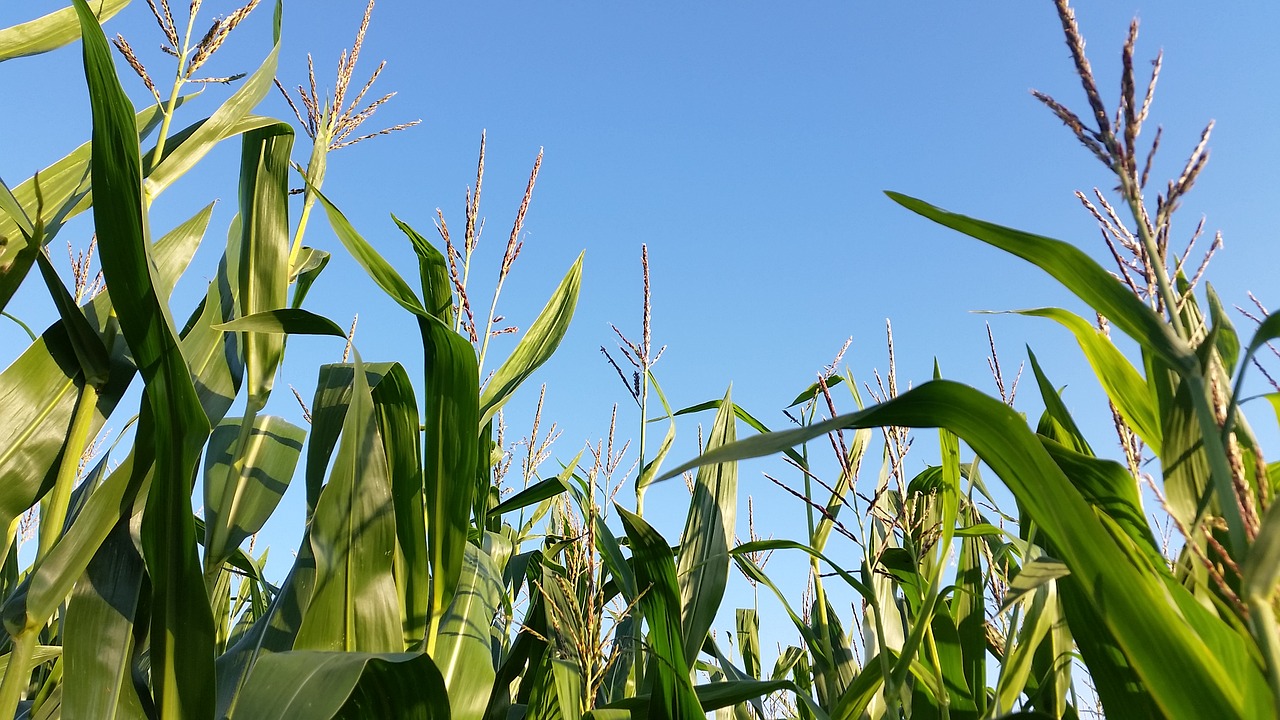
(52, 31)
(1076, 271)
(433, 271)
(311, 685)
(1184, 677)
(1121, 381)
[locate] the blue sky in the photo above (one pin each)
(748, 144)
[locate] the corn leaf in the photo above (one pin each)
(673, 694)
(702, 567)
(52, 31)
(311, 685)
(98, 630)
(378, 269)
(355, 605)
(433, 272)
(463, 652)
(185, 149)
(180, 612)
(396, 409)
(1184, 677)
(1121, 381)
(1075, 271)
(38, 391)
(237, 504)
(59, 183)
(450, 457)
(264, 249)
(536, 346)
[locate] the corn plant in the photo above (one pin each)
(122, 613)
(1191, 637)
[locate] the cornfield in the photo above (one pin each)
(419, 589)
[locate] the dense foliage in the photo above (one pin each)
(419, 590)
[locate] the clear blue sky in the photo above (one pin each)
(747, 144)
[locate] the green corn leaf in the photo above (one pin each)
(968, 611)
(463, 652)
(186, 149)
(39, 393)
(815, 390)
(745, 417)
(1227, 341)
(866, 687)
(536, 346)
(59, 184)
(98, 631)
(91, 352)
(702, 567)
(273, 632)
(449, 461)
(237, 504)
(673, 694)
(433, 271)
(836, 671)
(711, 696)
(542, 490)
(1182, 675)
(58, 28)
(378, 269)
(396, 409)
(311, 263)
(1057, 423)
(1041, 612)
(355, 605)
(949, 666)
(310, 685)
(180, 613)
(1121, 381)
(757, 546)
(288, 321)
(614, 561)
(213, 355)
(43, 654)
(1077, 272)
(1031, 577)
(264, 249)
(1109, 487)
(748, 622)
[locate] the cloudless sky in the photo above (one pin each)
(748, 145)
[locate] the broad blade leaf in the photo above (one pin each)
(355, 606)
(537, 345)
(463, 652)
(310, 685)
(237, 504)
(1184, 676)
(673, 695)
(702, 567)
(58, 28)
(180, 612)
(264, 249)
